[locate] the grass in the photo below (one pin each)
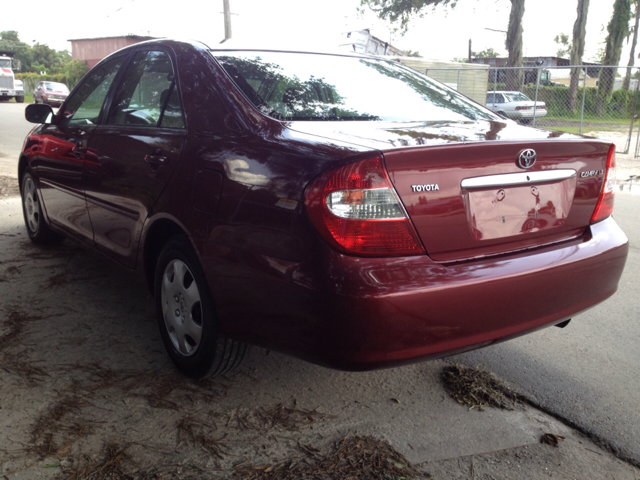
(589, 118)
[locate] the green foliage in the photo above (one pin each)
(486, 53)
(37, 58)
(411, 53)
(74, 70)
(618, 30)
(564, 45)
(620, 104)
(403, 11)
(10, 37)
(556, 99)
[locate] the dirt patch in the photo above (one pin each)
(9, 187)
(353, 458)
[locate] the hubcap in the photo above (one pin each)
(182, 307)
(31, 205)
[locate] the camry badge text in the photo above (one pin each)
(527, 158)
(591, 173)
(432, 187)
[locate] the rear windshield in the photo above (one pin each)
(301, 86)
(518, 97)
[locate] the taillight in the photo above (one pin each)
(357, 211)
(604, 207)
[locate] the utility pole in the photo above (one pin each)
(227, 20)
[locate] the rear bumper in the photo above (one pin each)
(368, 313)
(520, 114)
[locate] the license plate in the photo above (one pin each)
(510, 211)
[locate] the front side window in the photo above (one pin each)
(148, 94)
(300, 86)
(84, 106)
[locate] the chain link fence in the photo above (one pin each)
(544, 97)
(553, 102)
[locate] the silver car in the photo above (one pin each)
(515, 105)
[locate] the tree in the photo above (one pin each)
(618, 30)
(514, 45)
(486, 53)
(577, 51)
(632, 55)
(36, 58)
(564, 46)
(403, 11)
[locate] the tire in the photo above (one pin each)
(20, 99)
(186, 315)
(37, 228)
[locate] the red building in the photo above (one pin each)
(92, 50)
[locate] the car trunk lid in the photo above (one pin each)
(487, 198)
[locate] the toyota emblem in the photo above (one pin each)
(527, 158)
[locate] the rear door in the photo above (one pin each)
(134, 153)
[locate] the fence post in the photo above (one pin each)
(584, 97)
(535, 100)
(495, 82)
(458, 81)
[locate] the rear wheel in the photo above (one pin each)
(20, 99)
(37, 227)
(186, 315)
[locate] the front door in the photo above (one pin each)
(63, 149)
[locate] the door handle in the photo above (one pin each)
(155, 159)
(78, 151)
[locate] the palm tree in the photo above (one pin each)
(514, 45)
(403, 10)
(577, 50)
(632, 55)
(618, 30)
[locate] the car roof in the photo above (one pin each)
(311, 46)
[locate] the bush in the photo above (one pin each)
(73, 72)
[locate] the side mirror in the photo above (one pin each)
(38, 113)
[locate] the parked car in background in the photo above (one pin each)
(277, 198)
(51, 93)
(515, 105)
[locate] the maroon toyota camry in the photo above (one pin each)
(344, 209)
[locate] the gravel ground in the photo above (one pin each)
(86, 391)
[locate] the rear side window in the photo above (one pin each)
(300, 86)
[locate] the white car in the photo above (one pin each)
(515, 105)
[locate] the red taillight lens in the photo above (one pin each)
(357, 211)
(604, 207)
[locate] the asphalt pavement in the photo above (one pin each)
(588, 372)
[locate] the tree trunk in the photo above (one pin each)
(618, 30)
(514, 45)
(632, 55)
(577, 50)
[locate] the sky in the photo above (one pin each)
(441, 34)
